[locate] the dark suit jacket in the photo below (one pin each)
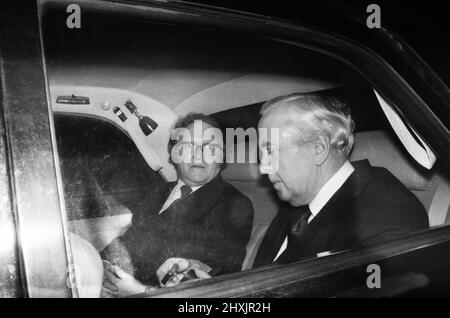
(212, 225)
(371, 206)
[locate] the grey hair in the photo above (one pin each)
(316, 114)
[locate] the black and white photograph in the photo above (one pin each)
(224, 149)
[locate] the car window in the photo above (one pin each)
(168, 70)
(103, 172)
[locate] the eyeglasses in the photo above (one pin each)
(191, 147)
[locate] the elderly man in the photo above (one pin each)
(199, 223)
(333, 204)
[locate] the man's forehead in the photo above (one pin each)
(197, 124)
(279, 116)
(206, 134)
(274, 117)
(272, 121)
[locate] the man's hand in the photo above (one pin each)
(184, 266)
(118, 283)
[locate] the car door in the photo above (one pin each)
(35, 183)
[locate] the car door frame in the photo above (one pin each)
(41, 261)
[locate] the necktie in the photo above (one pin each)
(296, 227)
(299, 221)
(185, 191)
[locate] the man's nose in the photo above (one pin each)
(262, 170)
(266, 169)
(265, 166)
(198, 154)
(263, 163)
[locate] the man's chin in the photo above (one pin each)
(293, 201)
(196, 180)
(284, 196)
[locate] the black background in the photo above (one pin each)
(425, 25)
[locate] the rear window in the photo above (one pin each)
(103, 172)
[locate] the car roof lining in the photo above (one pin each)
(182, 68)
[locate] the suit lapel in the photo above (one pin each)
(274, 237)
(163, 194)
(198, 203)
(148, 208)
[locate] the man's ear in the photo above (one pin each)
(321, 149)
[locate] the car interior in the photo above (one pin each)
(167, 71)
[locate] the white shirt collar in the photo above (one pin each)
(330, 188)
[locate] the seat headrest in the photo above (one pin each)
(381, 148)
(241, 172)
(246, 171)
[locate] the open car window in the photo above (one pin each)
(109, 161)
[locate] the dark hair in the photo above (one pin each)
(189, 119)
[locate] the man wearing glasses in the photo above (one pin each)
(198, 224)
